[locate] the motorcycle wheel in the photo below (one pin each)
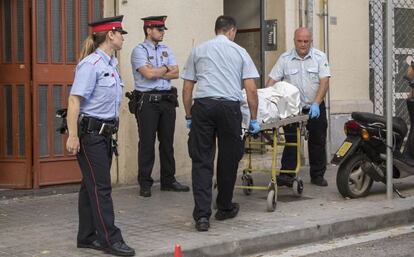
(351, 180)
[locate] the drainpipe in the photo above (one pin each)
(262, 42)
(300, 3)
(325, 16)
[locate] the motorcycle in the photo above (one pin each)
(362, 156)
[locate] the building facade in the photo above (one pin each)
(39, 55)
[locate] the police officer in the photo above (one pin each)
(154, 66)
(93, 111)
(219, 67)
(307, 68)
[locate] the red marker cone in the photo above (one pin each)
(177, 251)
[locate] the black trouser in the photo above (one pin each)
(96, 211)
(155, 119)
(316, 144)
(213, 119)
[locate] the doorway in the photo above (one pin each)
(40, 42)
(247, 16)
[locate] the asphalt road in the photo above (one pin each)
(395, 242)
(399, 246)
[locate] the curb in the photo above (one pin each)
(280, 240)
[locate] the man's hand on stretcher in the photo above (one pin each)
(254, 127)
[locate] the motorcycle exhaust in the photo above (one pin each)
(374, 171)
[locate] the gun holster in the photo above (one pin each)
(133, 101)
(174, 95)
(62, 113)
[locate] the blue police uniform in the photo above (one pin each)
(305, 73)
(99, 85)
(155, 114)
(97, 81)
(219, 67)
(156, 56)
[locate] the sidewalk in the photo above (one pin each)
(47, 225)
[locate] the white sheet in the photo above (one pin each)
(280, 101)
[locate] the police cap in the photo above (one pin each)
(155, 21)
(109, 23)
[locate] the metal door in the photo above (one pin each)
(58, 28)
(15, 108)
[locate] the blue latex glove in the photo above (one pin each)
(254, 127)
(314, 111)
(189, 122)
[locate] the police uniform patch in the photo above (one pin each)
(165, 53)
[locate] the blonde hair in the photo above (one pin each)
(91, 43)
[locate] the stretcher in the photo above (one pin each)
(272, 136)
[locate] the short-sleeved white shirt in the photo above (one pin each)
(305, 73)
(219, 66)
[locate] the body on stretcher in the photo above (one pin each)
(271, 136)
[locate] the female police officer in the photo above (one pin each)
(93, 111)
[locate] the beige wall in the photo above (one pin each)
(189, 22)
(276, 9)
(348, 45)
(349, 55)
(348, 49)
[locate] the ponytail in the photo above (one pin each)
(88, 47)
(91, 43)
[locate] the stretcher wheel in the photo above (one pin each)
(247, 180)
(214, 196)
(297, 186)
(271, 201)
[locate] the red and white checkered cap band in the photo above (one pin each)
(107, 26)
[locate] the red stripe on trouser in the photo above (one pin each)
(96, 196)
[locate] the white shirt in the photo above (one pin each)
(219, 66)
(305, 73)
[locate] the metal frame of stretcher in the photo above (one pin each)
(271, 134)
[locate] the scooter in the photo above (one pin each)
(362, 156)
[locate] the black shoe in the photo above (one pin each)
(285, 179)
(175, 186)
(319, 181)
(120, 249)
(223, 215)
(91, 245)
(144, 192)
(202, 224)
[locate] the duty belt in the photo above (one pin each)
(155, 96)
(101, 127)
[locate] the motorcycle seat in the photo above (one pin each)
(398, 124)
